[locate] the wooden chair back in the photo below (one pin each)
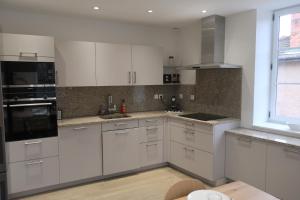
(183, 188)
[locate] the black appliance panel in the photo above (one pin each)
(26, 120)
(27, 73)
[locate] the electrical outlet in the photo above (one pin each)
(161, 96)
(192, 97)
(180, 96)
(156, 97)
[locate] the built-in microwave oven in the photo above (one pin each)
(27, 74)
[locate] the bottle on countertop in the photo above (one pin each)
(123, 107)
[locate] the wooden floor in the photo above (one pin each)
(151, 185)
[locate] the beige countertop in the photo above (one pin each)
(266, 136)
(138, 115)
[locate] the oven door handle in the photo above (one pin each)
(30, 105)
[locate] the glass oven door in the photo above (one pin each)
(30, 120)
(27, 74)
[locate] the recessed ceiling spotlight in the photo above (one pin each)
(204, 11)
(96, 8)
(150, 11)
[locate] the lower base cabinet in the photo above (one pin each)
(80, 152)
(283, 171)
(120, 150)
(151, 153)
(33, 174)
(193, 160)
(246, 160)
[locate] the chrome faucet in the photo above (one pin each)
(111, 108)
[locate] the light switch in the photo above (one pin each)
(192, 97)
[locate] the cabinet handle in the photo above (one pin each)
(152, 129)
(151, 121)
(121, 133)
(192, 132)
(121, 124)
(187, 149)
(34, 142)
(79, 128)
(134, 77)
(149, 145)
(35, 163)
(129, 77)
(190, 124)
(292, 150)
(245, 139)
(28, 54)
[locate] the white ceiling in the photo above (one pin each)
(165, 12)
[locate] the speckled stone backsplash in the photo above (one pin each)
(218, 91)
(86, 101)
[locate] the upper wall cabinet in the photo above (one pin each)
(113, 64)
(75, 63)
(17, 47)
(147, 65)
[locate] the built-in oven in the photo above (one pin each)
(31, 119)
(27, 74)
(29, 113)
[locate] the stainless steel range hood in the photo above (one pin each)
(212, 44)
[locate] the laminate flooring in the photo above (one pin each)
(149, 185)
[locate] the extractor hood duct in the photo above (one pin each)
(212, 44)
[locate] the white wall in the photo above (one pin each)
(73, 28)
(240, 40)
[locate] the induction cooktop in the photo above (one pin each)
(203, 116)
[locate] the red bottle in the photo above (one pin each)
(123, 107)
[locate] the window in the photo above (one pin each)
(285, 91)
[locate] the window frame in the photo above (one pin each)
(274, 71)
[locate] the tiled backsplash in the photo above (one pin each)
(86, 101)
(217, 91)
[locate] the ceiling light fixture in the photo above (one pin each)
(204, 11)
(150, 11)
(96, 8)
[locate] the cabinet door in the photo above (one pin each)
(245, 160)
(120, 151)
(147, 65)
(27, 45)
(34, 174)
(75, 63)
(151, 153)
(113, 64)
(283, 166)
(193, 160)
(80, 152)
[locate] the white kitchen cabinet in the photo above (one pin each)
(283, 166)
(75, 63)
(18, 47)
(113, 64)
(147, 65)
(151, 153)
(193, 160)
(33, 174)
(120, 151)
(151, 133)
(196, 137)
(80, 152)
(246, 160)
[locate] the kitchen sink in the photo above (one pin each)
(114, 116)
